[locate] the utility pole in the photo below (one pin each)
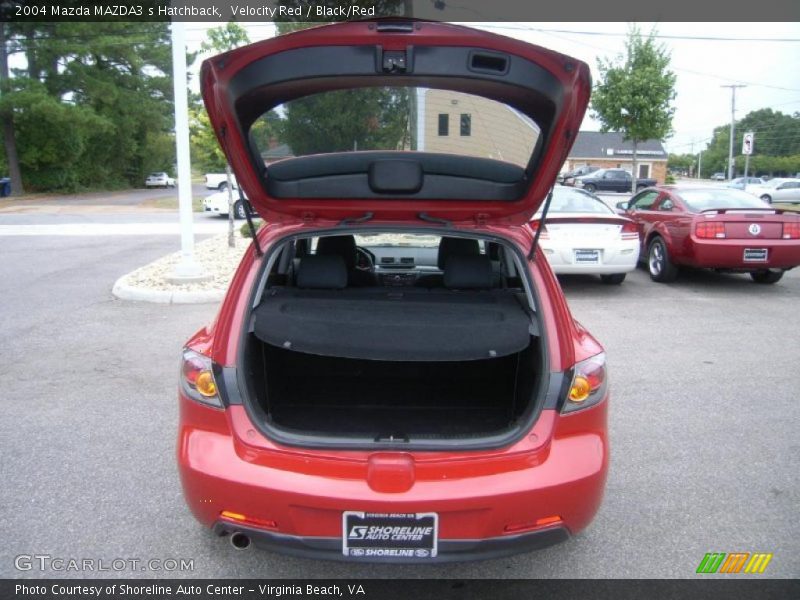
(699, 163)
(733, 121)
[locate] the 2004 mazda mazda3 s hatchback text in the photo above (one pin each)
(394, 374)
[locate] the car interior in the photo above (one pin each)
(393, 335)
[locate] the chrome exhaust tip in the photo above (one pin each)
(240, 541)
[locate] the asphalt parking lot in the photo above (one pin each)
(705, 452)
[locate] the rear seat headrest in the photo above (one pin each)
(451, 246)
(468, 272)
(327, 272)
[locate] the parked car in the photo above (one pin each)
(218, 203)
(611, 180)
(159, 180)
(741, 183)
(397, 377)
(582, 235)
(569, 177)
(219, 181)
(777, 190)
(715, 228)
(718, 177)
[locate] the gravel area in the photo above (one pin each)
(216, 258)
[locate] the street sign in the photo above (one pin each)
(747, 143)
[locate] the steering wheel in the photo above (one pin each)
(365, 260)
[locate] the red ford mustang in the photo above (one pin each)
(716, 228)
(394, 374)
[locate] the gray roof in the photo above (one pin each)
(593, 144)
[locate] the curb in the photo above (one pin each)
(123, 291)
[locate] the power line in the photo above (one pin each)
(702, 38)
(551, 33)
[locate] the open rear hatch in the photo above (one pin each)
(536, 88)
(460, 363)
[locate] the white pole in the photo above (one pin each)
(420, 119)
(187, 270)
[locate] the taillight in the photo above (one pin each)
(197, 378)
(589, 384)
(629, 231)
(535, 226)
(710, 229)
(791, 231)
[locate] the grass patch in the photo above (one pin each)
(787, 206)
(244, 230)
(197, 203)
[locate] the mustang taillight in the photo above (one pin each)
(535, 226)
(629, 231)
(589, 383)
(710, 230)
(197, 378)
(791, 231)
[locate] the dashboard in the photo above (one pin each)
(399, 266)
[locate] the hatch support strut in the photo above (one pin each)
(532, 253)
(248, 214)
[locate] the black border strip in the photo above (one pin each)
(437, 10)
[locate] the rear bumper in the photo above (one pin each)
(488, 502)
(728, 254)
(330, 548)
(619, 257)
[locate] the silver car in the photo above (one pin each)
(777, 190)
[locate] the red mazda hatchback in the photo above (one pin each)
(394, 374)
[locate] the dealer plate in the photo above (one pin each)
(389, 535)
(587, 256)
(755, 255)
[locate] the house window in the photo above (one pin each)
(444, 124)
(466, 124)
(644, 171)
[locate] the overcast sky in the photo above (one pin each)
(770, 69)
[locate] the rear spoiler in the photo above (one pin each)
(777, 211)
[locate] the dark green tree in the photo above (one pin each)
(777, 140)
(635, 93)
(353, 119)
(682, 162)
(103, 88)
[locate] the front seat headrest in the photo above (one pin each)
(450, 246)
(339, 245)
(463, 272)
(322, 273)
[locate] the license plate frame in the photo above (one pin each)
(586, 256)
(759, 255)
(390, 535)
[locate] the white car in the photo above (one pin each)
(582, 235)
(777, 190)
(219, 181)
(159, 180)
(218, 204)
